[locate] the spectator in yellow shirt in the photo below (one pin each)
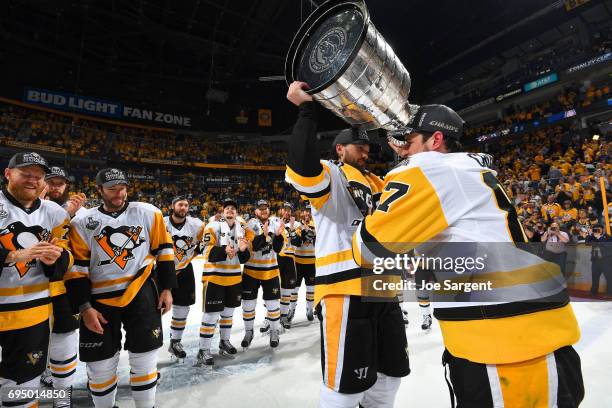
(568, 213)
(565, 167)
(551, 209)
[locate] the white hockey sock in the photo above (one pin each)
(102, 381)
(178, 322)
(285, 300)
(333, 399)
(382, 393)
(226, 322)
(63, 358)
(294, 298)
(248, 313)
(309, 297)
(143, 378)
(273, 315)
(207, 329)
(424, 305)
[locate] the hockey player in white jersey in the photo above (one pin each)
(187, 233)
(305, 262)
(226, 248)
(261, 270)
(363, 343)
(33, 251)
(112, 285)
(286, 263)
(509, 344)
(63, 344)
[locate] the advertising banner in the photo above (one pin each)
(100, 107)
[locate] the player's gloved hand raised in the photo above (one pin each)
(93, 320)
(165, 300)
(296, 93)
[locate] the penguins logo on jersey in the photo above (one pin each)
(118, 244)
(182, 245)
(17, 236)
(34, 357)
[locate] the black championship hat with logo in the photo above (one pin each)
(56, 171)
(111, 177)
(25, 159)
(434, 118)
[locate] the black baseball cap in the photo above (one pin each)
(230, 201)
(25, 159)
(262, 202)
(56, 171)
(434, 118)
(287, 204)
(179, 198)
(354, 135)
(111, 177)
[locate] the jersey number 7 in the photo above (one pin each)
(401, 189)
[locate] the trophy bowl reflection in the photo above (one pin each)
(350, 68)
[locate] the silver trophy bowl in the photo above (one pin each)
(350, 68)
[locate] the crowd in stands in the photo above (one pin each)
(572, 97)
(553, 177)
(83, 138)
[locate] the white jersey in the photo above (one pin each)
(116, 251)
(80, 211)
(305, 253)
(453, 205)
(186, 238)
(340, 197)
(291, 231)
(263, 264)
(24, 288)
(217, 234)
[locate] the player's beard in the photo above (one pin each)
(110, 207)
(261, 217)
(358, 163)
(60, 199)
(181, 215)
(355, 163)
(23, 194)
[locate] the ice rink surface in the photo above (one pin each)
(290, 376)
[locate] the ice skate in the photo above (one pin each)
(426, 323)
(204, 358)
(176, 351)
(248, 338)
(226, 349)
(46, 378)
(274, 338)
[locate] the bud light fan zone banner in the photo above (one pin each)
(100, 107)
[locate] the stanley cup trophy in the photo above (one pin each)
(350, 68)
